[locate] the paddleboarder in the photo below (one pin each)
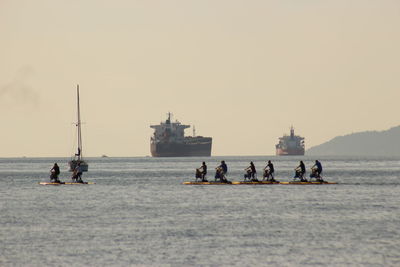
(317, 170)
(251, 172)
(300, 171)
(54, 173)
(221, 172)
(77, 173)
(269, 171)
(202, 172)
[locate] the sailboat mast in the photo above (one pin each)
(79, 127)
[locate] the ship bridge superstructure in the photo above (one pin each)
(169, 131)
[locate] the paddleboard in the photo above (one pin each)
(206, 183)
(65, 183)
(69, 183)
(259, 182)
(305, 183)
(50, 183)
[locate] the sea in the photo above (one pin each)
(138, 213)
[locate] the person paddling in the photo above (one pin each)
(221, 171)
(224, 167)
(317, 171)
(54, 173)
(269, 171)
(300, 171)
(77, 173)
(201, 172)
(251, 172)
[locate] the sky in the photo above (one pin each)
(242, 72)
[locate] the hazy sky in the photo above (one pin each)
(242, 72)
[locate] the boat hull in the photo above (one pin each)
(290, 152)
(202, 149)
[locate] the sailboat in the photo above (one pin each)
(78, 157)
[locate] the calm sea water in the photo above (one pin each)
(139, 213)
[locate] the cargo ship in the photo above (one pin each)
(169, 140)
(290, 145)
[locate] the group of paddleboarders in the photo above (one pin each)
(316, 171)
(76, 174)
(268, 172)
(220, 172)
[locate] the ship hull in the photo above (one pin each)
(290, 152)
(180, 149)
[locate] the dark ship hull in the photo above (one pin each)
(290, 152)
(192, 147)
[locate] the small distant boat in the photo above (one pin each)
(104, 156)
(78, 157)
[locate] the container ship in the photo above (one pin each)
(290, 145)
(169, 140)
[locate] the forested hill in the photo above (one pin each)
(370, 143)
